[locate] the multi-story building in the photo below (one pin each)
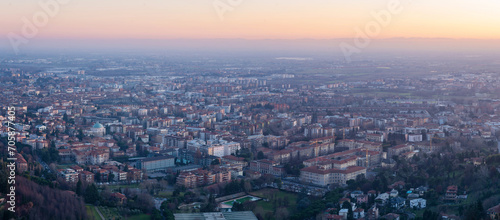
(451, 194)
(398, 150)
(70, 175)
(119, 175)
(134, 174)
(325, 175)
(342, 160)
(267, 167)
(234, 160)
(98, 157)
(153, 164)
(200, 177)
(218, 148)
(86, 176)
(21, 164)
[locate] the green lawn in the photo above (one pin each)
(168, 194)
(135, 185)
(92, 213)
(139, 217)
(112, 213)
(65, 166)
(278, 194)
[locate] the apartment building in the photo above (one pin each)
(325, 175)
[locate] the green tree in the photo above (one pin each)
(350, 214)
(91, 194)
(167, 213)
(79, 188)
(260, 155)
(215, 162)
(156, 215)
(211, 205)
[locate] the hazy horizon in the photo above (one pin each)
(239, 25)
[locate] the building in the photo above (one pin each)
(247, 215)
(120, 198)
(200, 177)
(372, 213)
(97, 130)
(153, 164)
(234, 160)
(418, 203)
(86, 176)
(414, 137)
(494, 212)
(326, 175)
(398, 150)
(21, 164)
(267, 167)
(359, 213)
(218, 148)
(451, 194)
(98, 157)
(70, 175)
(119, 175)
(134, 174)
(375, 137)
(397, 202)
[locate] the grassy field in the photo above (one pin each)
(168, 194)
(135, 185)
(273, 195)
(139, 217)
(92, 213)
(65, 166)
(112, 213)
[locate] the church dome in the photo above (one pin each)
(98, 125)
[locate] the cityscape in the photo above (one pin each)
(217, 124)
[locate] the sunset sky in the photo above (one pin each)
(264, 25)
(254, 19)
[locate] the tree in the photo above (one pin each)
(167, 213)
(278, 182)
(260, 155)
(237, 207)
(156, 215)
(80, 134)
(211, 205)
(350, 214)
(79, 188)
(215, 162)
(91, 194)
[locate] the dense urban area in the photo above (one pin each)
(237, 137)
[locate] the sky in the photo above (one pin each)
(251, 19)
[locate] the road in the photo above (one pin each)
(99, 212)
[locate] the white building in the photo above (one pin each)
(218, 148)
(414, 137)
(418, 203)
(142, 112)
